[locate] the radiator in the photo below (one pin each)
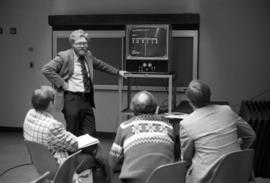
(257, 114)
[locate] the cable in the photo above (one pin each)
(260, 94)
(252, 98)
(11, 168)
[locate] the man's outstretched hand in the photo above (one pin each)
(123, 73)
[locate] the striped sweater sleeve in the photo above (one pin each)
(116, 153)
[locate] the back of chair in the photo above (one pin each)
(67, 169)
(235, 167)
(42, 179)
(172, 173)
(42, 159)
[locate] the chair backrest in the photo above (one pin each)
(171, 172)
(44, 178)
(42, 159)
(67, 169)
(235, 167)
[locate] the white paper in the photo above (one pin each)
(176, 115)
(86, 140)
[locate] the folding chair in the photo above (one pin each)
(66, 171)
(235, 167)
(42, 179)
(44, 161)
(171, 172)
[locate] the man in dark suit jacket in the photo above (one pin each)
(71, 72)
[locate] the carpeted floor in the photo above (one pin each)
(15, 165)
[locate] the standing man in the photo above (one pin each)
(71, 72)
(210, 132)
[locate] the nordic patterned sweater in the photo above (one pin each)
(141, 144)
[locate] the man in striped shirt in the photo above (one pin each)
(41, 127)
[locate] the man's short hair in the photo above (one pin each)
(143, 103)
(198, 93)
(77, 34)
(42, 97)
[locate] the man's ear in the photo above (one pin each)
(51, 106)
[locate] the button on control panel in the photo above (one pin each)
(146, 67)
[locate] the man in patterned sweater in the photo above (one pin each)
(41, 127)
(142, 143)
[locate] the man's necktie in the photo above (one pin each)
(86, 79)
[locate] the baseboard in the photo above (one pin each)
(11, 129)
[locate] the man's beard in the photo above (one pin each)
(81, 52)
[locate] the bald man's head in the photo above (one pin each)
(143, 103)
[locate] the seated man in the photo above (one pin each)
(41, 127)
(143, 142)
(210, 132)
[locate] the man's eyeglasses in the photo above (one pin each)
(81, 44)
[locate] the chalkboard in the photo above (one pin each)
(182, 64)
(184, 61)
(108, 50)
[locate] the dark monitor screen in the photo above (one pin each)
(147, 42)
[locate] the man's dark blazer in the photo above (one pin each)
(61, 68)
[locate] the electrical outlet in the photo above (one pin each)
(13, 30)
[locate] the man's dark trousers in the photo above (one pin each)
(79, 114)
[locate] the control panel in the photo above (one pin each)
(150, 66)
(146, 67)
